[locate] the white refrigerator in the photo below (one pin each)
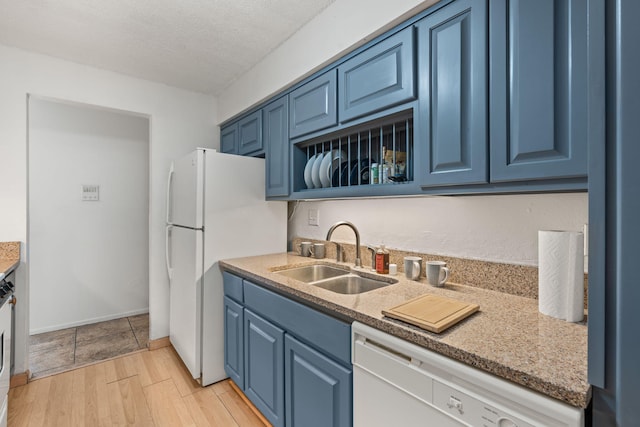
(216, 209)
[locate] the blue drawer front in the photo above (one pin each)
(232, 286)
(330, 335)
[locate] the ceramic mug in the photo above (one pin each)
(317, 250)
(437, 273)
(412, 267)
(305, 248)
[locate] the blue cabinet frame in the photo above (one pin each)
(250, 134)
(312, 107)
(234, 341)
(452, 70)
(317, 390)
(277, 147)
(264, 366)
(229, 139)
(380, 77)
(539, 69)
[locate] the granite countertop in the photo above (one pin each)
(508, 337)
(9, 257)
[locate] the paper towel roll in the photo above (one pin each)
(561, 274)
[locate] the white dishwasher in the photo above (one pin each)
(396, 383)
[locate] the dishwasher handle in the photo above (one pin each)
(384, 350)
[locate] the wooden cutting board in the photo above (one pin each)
(431, 312)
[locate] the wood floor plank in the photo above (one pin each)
(166, 405)
(91, 389)
(128, 404)
(27, 404)
(221, 387)
(240, 412)
(149, 367)
(94, 396)
(208, 410)
(179, 373)
(79, 397)
(59, 403)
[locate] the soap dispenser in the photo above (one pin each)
(382, 260)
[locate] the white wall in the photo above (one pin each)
(342, 26)
(500, 228)
(100, 249)
(180, 121)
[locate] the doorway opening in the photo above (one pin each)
(88, 233)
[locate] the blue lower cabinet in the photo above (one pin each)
(318, 391)
(234, 341)
(263, 366)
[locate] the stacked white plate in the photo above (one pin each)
(320, 167)
(330, 162)
(308, 170)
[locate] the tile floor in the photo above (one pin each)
(58, 351)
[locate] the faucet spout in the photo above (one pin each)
(358, 263)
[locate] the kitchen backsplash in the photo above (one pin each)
(520, 280)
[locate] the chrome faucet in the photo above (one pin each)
(358, 263)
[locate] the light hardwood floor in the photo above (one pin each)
(149, 388)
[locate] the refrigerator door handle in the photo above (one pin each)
(169, 181)
(167, 248)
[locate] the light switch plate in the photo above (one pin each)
(314, 217)
(90, 193)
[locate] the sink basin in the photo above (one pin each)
(352, 284)
(336, 279)
(313, 273)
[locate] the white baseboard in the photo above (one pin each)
(88, 321)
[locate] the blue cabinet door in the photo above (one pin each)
(318, 390)
(264, 365)
(312, 107)
(452, 79)
(234, 341)
(380, 77)
(250, 134)
(538, 89)
(229, 139)
(277, 148)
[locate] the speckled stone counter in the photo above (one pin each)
(508, 337)
(9, 257)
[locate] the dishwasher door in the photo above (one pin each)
(380, 403)
(396, 383)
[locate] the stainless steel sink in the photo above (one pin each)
(336, 279)
(352, 284)
(313, 273)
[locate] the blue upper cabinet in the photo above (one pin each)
(250, 134)
(380, 77)
(229, 139)
(312, 107)
(277, 148)
(452, 118)
(538, 89)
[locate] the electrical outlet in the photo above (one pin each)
(314, 217)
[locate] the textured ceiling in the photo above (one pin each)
(200, 45)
